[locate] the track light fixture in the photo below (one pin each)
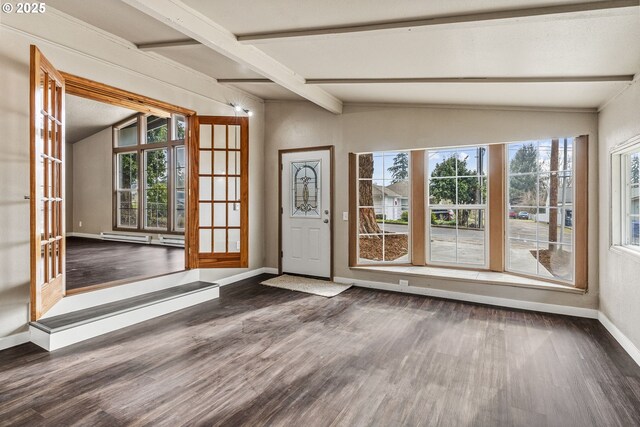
(238, 108)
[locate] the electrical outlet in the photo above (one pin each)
(404, 283)
(345, 216)
(80, 224)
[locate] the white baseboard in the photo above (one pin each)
(154, 240)
(270, 270)
(622, 339)
(481, 299)
(85, 235)
(14, 340)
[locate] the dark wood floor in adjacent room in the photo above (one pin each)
(267, 356)
(95, 261)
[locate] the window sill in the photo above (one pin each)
(632, 254)
(473, 276)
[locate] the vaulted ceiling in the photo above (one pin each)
(525, 53)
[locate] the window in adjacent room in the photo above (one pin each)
(150, 167)
(383, 207)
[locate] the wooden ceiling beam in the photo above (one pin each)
(197, 26)
(441, 20)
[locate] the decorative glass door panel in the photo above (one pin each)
(305, 187)
(220, 181)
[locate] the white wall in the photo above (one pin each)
(79, 49)
(68, 185)
(619, 272)
(92, 178)
(372, 128)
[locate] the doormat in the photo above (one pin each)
(323, 288)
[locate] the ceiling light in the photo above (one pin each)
(237, 107)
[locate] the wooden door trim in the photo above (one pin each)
(331, 150)
(90, 89)
(96, 91)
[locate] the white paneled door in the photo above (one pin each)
(306, 212)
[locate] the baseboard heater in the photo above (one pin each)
(134, 238)
(172, 241)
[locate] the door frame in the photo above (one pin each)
(331, 149)
(96, 91)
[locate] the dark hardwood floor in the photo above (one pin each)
(265, 356)
(94, 261)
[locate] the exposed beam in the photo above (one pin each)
(199, 27)
(570, 79)
(557, 79)
(244, 81)
(174, 43)
(442, 20)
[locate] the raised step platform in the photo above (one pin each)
(52, 333)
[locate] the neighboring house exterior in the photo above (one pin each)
(391, 200)
(565, 205)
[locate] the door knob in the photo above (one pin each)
(326, 221)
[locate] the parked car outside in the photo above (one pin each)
(513, 214)
(523, 215)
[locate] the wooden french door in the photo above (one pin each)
(46, 185)
(219, 193)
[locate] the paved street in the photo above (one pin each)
(470, 245)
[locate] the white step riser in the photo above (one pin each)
(86, 331)
(104, 296)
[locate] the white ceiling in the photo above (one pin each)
(85, 117)
(605, 42)
(578, 47)
(118, 18)
(251, 16)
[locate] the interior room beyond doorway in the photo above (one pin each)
(125, 192)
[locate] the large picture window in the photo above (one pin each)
(540, 208)
(507, 207)
(150, 167)
(457, 206)
(383, 207)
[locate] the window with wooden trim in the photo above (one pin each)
(457, 206)
(518, 207)
(149, 173)
(383, 207)
(540, 194)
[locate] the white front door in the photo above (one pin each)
(306, 213)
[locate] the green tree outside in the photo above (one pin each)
(400, 169)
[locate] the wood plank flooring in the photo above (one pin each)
(94, 261)
(266, 356)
